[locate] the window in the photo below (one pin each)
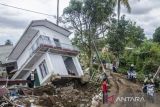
(46, 39)
(57, 43)
(43, 69)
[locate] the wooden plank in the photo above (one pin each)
(3, 81)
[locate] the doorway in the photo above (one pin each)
(37, 82)
(70, 66)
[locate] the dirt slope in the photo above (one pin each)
(121, 87)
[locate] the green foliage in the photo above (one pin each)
(134, 35)
(156, 35)
(125, 34)
(108, 56)
(146, 58)
(89, 19)
(116, 36)
(8, 42)
(140, 76)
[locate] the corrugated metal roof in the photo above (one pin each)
(5, 50)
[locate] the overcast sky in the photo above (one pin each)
(13, 22)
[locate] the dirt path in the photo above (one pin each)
(120, 87)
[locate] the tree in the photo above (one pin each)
(124, 34)
(146, 57)
(134, 35)
(116, 36)
(89, 19)
(8, 42)
(156, 35)
(125, 3)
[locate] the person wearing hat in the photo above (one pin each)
(131, 72)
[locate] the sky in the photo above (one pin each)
(13, 22)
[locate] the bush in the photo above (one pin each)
(150, 67)
(146, 58)
(140, 76)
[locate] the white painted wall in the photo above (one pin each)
(46, 32)
(55, 65)
(26, 54)
(58, 64)
(78, 66)
(54, 62)
(49, 67)
(53, 34)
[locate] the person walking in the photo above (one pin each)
(114, 68)
(104, 90)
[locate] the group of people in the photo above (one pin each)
(148, 87)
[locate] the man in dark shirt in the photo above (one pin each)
(31, 79)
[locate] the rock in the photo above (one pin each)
(95, 101)
(82, 105)
(69, 101)
(67, 88)
(55, 77)
(85, 100)
(85, 78)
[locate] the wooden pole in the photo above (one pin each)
(156, 72)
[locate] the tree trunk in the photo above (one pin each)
(118, 9)
(90, 56)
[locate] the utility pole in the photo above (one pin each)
(57, 12)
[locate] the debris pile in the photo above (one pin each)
(61, 96)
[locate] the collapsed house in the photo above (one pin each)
(46, 49)
(6, 66)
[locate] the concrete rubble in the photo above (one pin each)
(58, 96)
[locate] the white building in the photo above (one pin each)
(45, 48)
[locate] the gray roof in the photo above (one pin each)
(51, 26)
(4, 52)
(30, 33)
(22, 44)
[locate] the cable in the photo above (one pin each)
(27, 10)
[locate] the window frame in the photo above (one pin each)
(57, 41)
(43, 69)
